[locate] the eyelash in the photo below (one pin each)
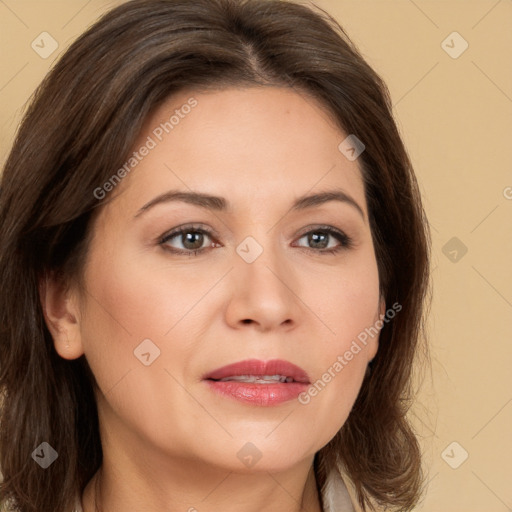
(345, 241)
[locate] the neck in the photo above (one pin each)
(196, 490)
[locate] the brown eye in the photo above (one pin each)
(323, 240)
(187, 240)
(318, 239)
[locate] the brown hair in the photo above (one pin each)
(81, 125)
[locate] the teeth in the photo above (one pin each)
(258, 379)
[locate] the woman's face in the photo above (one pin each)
(271, 281)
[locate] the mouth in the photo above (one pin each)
(254, 371)
(257, 379)
(255, 382)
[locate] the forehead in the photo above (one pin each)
(248, 145)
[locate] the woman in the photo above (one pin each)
(214, 267)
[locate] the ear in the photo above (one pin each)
(61, 313)
(374, 346)
(382, 307)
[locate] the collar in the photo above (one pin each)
(335, 495)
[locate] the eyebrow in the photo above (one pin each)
(220, 204)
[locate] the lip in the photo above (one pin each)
(258, 367)
(257, 393)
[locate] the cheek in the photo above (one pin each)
(133, 298)
(127, 304)
(137, 300)
(346, 299)
(348, 308)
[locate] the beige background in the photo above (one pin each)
(455, 115)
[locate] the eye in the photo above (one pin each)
(321, 240)
(190, 238)
(193, 240)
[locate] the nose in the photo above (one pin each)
(264, 293)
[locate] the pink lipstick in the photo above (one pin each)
(255, 382)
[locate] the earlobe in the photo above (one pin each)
(60, 308)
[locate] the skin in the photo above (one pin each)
(169, 442)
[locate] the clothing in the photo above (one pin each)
(335, 495)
